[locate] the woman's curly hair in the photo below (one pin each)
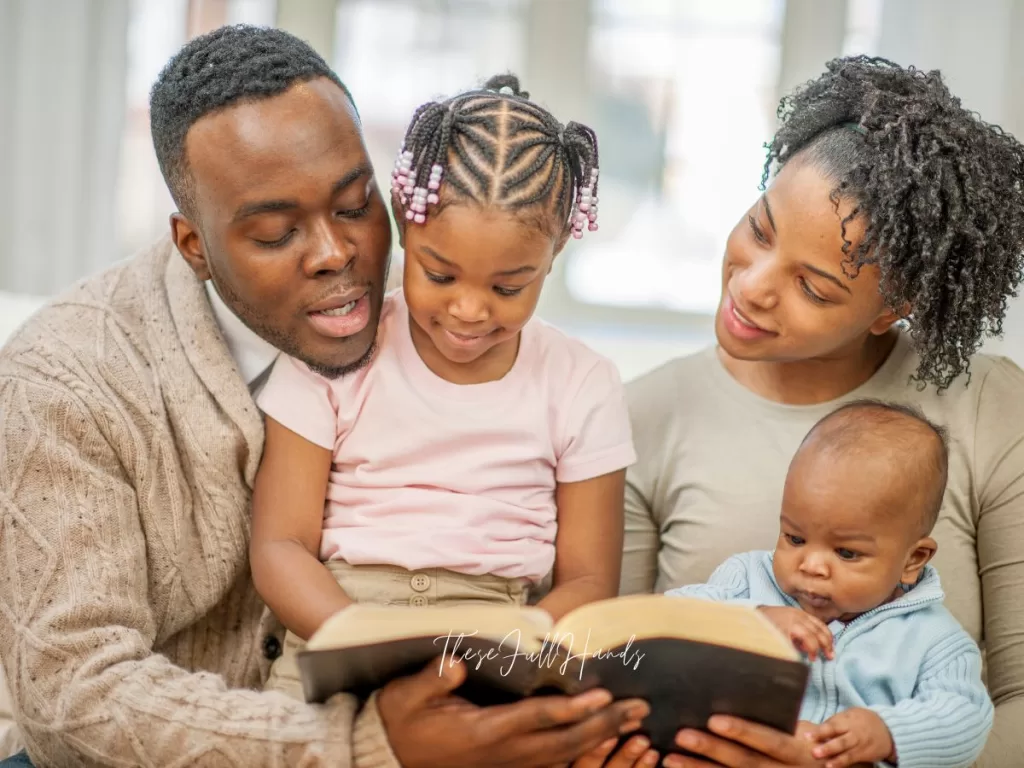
(940, 190)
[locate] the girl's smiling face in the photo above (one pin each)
(472, 280)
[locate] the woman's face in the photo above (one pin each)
(785, 296)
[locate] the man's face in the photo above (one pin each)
(291, 226)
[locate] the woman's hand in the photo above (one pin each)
(736, 743)
(635, 753)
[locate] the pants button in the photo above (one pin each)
(417, 601)
(420, 582)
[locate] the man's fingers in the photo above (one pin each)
(595, 758)
(571, 742)
(722, 751)
(760, 738)
(842, 743)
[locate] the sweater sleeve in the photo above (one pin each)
(947, 721)
(77, 630)
(999, 479)
(729, 583)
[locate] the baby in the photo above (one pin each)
(894, 677)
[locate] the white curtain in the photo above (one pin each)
(62, 99)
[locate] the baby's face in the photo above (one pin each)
(844, 542)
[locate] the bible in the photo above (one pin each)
(688, 658)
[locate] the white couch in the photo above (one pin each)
(14, 310)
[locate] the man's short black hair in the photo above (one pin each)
(213, 71)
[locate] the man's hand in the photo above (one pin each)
(428, 727)
(736, 743)
(635, 753)
(808, 634)
(853, 736)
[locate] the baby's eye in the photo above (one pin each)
(847, 554)
(796, 541)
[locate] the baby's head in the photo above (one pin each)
(861, 498)
(499, 185)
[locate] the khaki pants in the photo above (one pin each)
(391, 585)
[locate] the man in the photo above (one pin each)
(130, 631)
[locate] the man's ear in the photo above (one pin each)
(398, 212)
(186, 237)
(923, 551)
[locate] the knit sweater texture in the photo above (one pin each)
(130, 630)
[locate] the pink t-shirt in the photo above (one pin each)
(427, 473)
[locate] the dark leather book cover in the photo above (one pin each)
(684, 681)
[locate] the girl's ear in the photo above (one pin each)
(399, 214)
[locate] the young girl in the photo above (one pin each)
(479, 450)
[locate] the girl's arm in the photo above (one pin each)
(287, 519)
(588, 545)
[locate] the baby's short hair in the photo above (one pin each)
(917, 443)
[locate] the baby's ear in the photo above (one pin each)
(920, 555)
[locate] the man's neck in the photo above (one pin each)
(252, 353)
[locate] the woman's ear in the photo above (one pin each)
(886, 320)
(398, 211)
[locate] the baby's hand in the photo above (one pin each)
(853, 736)
(808, 634)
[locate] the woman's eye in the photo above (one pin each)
(439, 279)
(758, 232)
(810, 293)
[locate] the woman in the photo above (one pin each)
(884, 250)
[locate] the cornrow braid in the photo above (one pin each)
(497, 148)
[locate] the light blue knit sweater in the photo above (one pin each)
(909, 661)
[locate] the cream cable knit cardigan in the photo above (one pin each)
(130, 631)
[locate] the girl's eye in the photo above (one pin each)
(275, 243)
(439, 279)
(796, 541)
(758, 232)
(810, 293)
(847, 554)
(507, 291)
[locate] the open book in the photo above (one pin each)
(688, 658)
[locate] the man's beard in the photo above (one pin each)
(258, 325)
(330, 372)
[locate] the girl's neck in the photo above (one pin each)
(809, 382)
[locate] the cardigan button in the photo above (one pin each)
(271, 647)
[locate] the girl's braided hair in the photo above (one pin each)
(941, 192)
(495, 147)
